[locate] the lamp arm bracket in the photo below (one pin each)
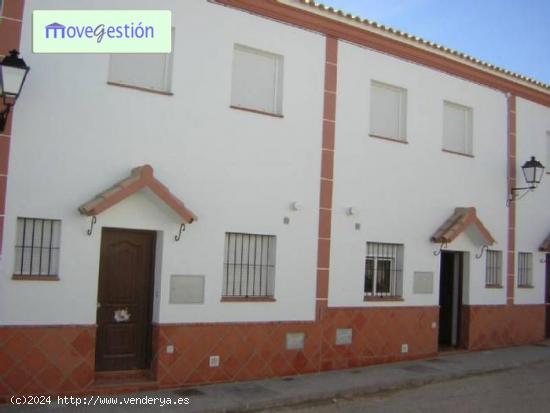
(441, 247)
(182, 229)
(481, 251)
(92, 223)
(4, 116)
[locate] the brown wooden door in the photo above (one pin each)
(124, 300)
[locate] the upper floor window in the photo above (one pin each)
(383, 270)
(37, 248)
(249, 265)
(525, 269)
(145, 71)
(493, 268)
(457, 128)
(257, 82)
(388, 111)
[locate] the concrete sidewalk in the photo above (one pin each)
(277, 392)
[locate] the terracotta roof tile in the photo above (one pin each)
(369, 23)
(457, 223)
(140, 178)
(545, 246)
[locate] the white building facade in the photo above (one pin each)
(291, 190)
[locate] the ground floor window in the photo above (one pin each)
(383, 270)
(249, 265)
(37, 247)
(525, 269)
(493, 269)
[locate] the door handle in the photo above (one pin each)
(98, 305)
(122, 315)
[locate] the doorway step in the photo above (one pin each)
(124, 381)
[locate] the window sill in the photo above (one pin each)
(387, 138)
(143, 89)
(382, 299)
(493, 286)
(25, 277)
(526, 286)
(248, 300)
(259, 112)
(467, 155)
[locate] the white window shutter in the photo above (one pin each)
(257, 80)
(140, 69)
(457, 128)
(388, 111)
(146, 70)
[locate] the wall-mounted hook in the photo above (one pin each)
(90, 231)
(483, 249)
(438, 252)
(182, 229)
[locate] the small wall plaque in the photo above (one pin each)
(423, 282)
(344, 336)
(295, 341)
(187, 289)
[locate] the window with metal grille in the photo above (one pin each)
(493, 268)
(37, 247)
(525, 269)
(384, 270)
(249, 265)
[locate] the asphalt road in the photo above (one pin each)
(525, 390)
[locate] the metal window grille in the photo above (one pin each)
(525, 269)
(383, 269)
(493, 268)
(37, 247)
(249, 265)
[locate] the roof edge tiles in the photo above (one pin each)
(310, 15)
(545, 246)
(140, 178)
(457, 223)
(404, 36)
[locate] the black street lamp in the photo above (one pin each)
(533, 171)
(13, 72)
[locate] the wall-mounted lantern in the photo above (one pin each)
(13, 72)
(533, 171)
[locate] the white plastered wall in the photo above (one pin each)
(74, 136)
(533, 211)
(404, 192)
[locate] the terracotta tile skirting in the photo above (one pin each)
(46, 359)
(492, 326)
(60, 359)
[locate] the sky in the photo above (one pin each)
(512, 34)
